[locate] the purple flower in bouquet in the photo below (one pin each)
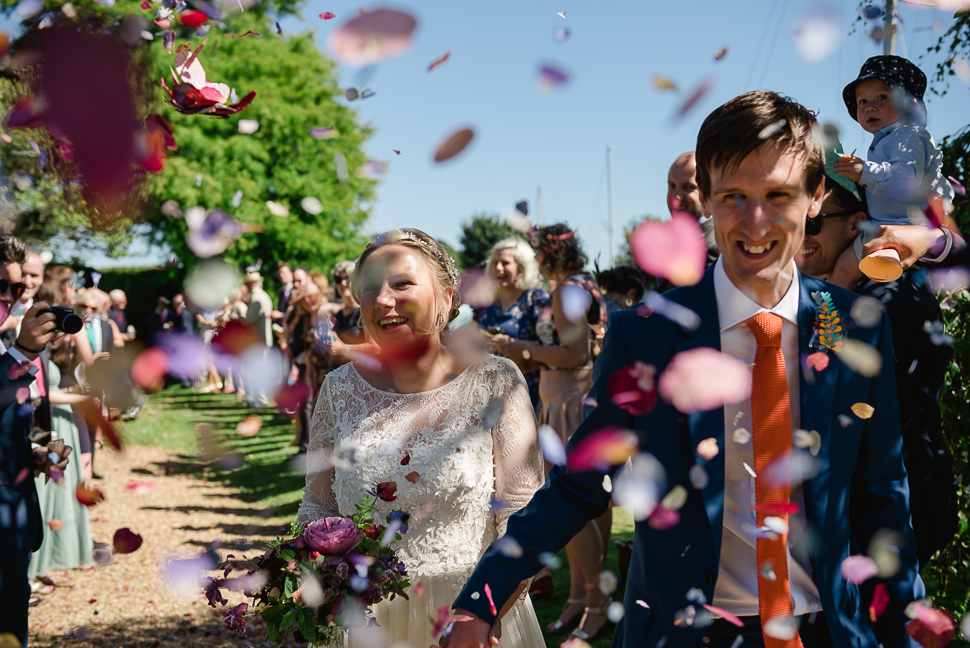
(233, 618)
(403, 518)
(333, 536)
(212, 593)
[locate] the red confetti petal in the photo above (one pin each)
(817, 361)
(88, 497)
(932, 628)
(491, 602)
(126, 541)
(149, 368)
(146, 5)
(327, 15)
(880, 601)
(193, 18)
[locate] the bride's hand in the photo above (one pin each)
(473, 633)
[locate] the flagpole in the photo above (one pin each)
(609, 196)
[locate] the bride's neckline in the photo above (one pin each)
(353, 367)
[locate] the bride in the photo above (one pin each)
(457, 440)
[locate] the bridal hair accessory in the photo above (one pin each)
(445, 261)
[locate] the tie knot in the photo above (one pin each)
(766, 328)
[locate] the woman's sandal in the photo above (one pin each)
(559, 624)
(580, 633)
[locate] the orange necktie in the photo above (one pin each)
(771, 424)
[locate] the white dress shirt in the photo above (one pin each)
(737, 581)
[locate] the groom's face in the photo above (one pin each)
(759, 212)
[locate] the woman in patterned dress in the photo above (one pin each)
(521, 302)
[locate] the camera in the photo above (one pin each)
(65, 319)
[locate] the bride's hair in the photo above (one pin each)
(442, 268)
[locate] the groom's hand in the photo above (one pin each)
(474, 633)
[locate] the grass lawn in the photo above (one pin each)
(170, 419)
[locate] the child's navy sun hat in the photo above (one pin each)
(894, 71)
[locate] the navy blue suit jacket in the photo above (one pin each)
(860, 477)
(21, 526)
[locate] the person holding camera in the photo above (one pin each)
(21, 525)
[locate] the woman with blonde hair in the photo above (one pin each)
(520, 303)
(565, 349)
(419, 409)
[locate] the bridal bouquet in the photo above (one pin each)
(321, 581)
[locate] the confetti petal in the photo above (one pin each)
(551, 77)
(720, 53)
(193, 18)
(327, 15)
(633, 388)
(454, 145)
(311, 205)
(438, 61)
(931, 628)
(863, 410)
(880, 601)
(707, 449)
(693, 99)
(54, 524)
(817, 361)
(250, 426)
(783, 628)
(491, 602)
(957, 186)
(724, 614)
(602, 449)
(373, 37)
(323, 133)
(248, 126)
(140, 487)
(663, 518)
(88, 497)
(819, 34)
(860, 357)
(859, 569)
(663, 84)
(126, 541)
(704, 379)
(550, 444)
(674, 249)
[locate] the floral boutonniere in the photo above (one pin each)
(827, 333)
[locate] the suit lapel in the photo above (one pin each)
(706, 425)
(816, 392)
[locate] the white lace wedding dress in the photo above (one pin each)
(478, 460)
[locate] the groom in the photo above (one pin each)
(760, 172)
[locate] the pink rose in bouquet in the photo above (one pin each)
(333, 536)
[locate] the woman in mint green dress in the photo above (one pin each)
(71, 545)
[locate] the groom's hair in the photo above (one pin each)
(747, 122)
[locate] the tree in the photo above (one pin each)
(478, 236)
(625, 255)
(280, 162)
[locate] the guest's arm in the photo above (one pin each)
(918, 243)
(573, 348)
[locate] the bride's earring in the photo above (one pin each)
(440, 320)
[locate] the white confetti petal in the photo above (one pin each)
(248, 126)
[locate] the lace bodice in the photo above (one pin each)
(469, 448)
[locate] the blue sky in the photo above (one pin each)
(557, 141)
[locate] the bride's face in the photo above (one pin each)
(398, 299)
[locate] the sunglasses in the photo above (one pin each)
(16, 289)
(814, 225)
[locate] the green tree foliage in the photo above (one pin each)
(478, 236)
(281, 161)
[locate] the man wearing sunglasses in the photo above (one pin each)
(21, 525)
(922, 354)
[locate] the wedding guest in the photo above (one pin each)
(346, 321)
(622, 287)
(20, 534)
(119, 302)
(237, 309)
(921, 355)
(521, 301)
(32, 277)
(285, 275)
(159, 320)
(422, 411)
(565, 351)
(69, 545)
(787, 588)
(258, 312)
(298, 323)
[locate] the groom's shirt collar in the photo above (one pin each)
(734, 307)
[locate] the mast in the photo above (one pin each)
(889, 37)
(609, 196)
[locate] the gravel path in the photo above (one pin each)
(127, 602)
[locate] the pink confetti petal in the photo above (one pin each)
(693, 99)
(140, 487)
(149, 368)
(674, 249)
(603, 449)
(704, 379)
(663, 518)
(22, 394)
(19, 369)
(817, 361)
(491, 602)
(724, 614)
(21, 476)
(373, 37)
(327, 15)
(957, 186)
(859, 569)
(552, 77)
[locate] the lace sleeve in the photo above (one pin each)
(318, 496)
(518, 462)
